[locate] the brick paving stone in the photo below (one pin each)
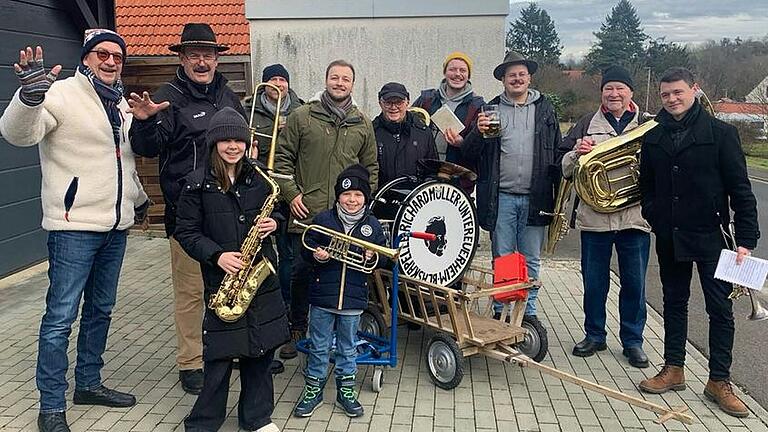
(140, 358)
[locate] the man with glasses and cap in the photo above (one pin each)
(90, 197)
(402, 138)
(172, 125)
(519, 171)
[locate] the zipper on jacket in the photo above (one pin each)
(341, 285)
(194, 155)
(119, 200)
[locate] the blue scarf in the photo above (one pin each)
(110, 96)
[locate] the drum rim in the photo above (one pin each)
(418, 189)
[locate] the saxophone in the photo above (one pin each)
(237, 290)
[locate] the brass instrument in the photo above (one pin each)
(606, 179)
(422, 113)
(558, 228)
(758, 313)
(339, 248)
(237, 290)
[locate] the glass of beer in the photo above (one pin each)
(492, 114)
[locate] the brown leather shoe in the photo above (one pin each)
(721, 392)
(669, 378)
(288, 351)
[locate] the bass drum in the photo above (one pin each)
(444, 210)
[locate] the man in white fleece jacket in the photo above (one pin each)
(90, 196)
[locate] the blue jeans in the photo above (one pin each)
(85, 265)
(321, 333)
(512, 234)
(632, 248)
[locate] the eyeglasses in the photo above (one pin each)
(393, 103)
(104, 56)
(521, 75)
(195, 57)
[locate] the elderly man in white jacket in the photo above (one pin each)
(90, 196)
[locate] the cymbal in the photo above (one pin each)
(445, 170)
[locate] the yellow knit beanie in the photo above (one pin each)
(460, 56)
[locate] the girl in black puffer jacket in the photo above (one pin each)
(217, 206)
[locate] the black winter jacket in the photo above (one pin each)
(177, 134)
(686, 191)
(546, 167)
(334, 285)
(401, 146)
(211, 222)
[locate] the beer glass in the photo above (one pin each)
(492, 114)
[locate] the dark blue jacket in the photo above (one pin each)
(334, 284)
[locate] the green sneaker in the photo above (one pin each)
(311, 397)
(346, 396)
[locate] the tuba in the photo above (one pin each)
(238, 290)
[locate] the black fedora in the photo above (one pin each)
(513, 58)
(198, 35)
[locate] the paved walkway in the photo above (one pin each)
(492, 396)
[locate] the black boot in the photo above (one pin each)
(346, 396)
(52, 422)
(276, 367)
(191, 381)
(587, 347)
(105, 397)
(311, 397)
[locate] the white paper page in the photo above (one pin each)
(751, 273)
(444, 118)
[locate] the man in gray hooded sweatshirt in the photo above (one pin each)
(518, 172)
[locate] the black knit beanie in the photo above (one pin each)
(354, 177)
(618, 74)
(227, 124)
(274, 70)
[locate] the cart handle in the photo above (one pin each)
(423, 235)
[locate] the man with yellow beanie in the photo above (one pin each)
(454, 91)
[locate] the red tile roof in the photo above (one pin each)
(741, 108)
(150, 26)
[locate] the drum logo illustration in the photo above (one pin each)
(446, 211)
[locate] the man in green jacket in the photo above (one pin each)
(319, 141)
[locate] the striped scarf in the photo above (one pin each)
(110, 96)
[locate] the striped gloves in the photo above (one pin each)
(34, 81)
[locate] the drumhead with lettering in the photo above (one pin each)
(446, 211)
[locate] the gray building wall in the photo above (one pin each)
(22, 241)
(385, 41)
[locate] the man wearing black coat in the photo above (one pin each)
(692, 168)
(402, 138)
(174, 130)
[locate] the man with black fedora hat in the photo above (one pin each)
(626, 230)
(518, 172)
(174, 129)
(402, 138)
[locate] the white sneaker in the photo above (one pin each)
(269, 428)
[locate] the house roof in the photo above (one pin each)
(741, 108)
(150, 26)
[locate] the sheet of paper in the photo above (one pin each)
(444, 118)
(751, 273)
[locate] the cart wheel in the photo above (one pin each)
(535, 344)
(377, 382)
(445, 361)
(372, 322)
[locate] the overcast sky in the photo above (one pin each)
(686, 22)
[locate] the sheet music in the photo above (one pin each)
(751, 273)
(444, 119)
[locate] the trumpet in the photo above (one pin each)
(339, 248)
(758, 313)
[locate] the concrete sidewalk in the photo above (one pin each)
(492, 396)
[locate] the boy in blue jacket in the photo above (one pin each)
(338, 294)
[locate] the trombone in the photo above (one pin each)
(339, 248)
(275, 129)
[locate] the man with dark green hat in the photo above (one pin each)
(519, 171)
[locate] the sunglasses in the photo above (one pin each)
(104, 56)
